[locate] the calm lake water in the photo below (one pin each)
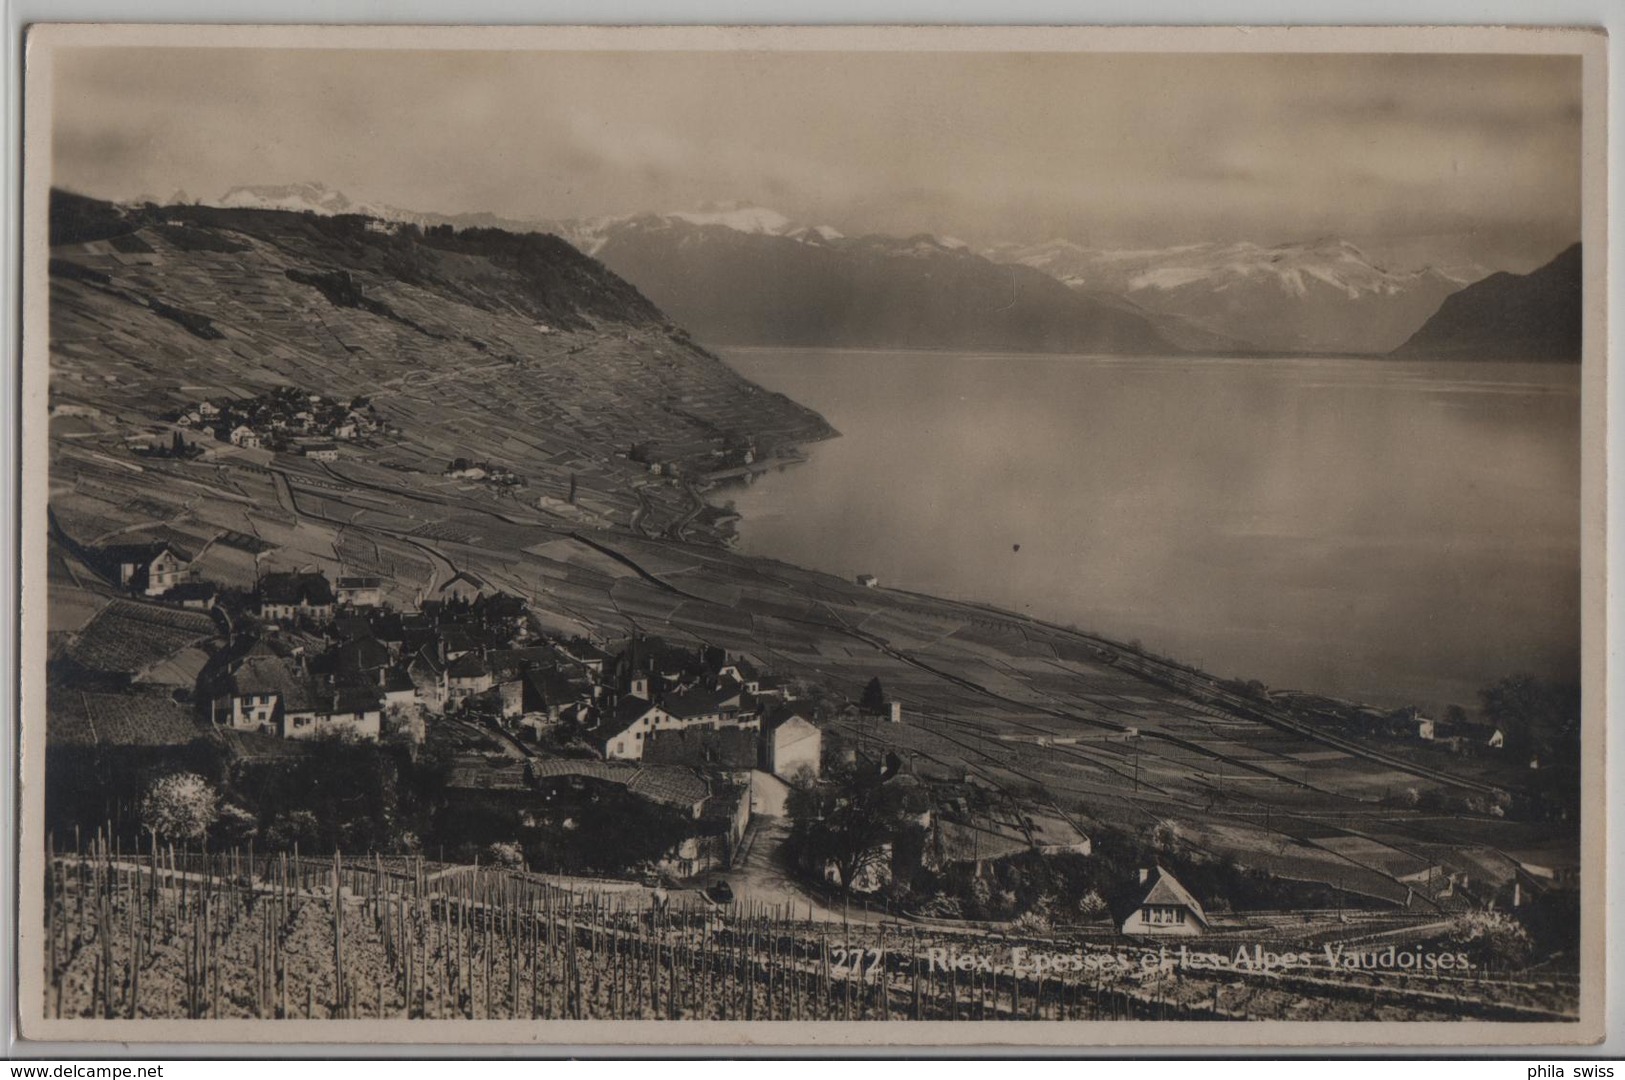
(1399, 532)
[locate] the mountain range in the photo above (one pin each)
(1322, 296)
(740, 274)
(779, 283)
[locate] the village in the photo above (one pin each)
(304, 658)
(331, 609)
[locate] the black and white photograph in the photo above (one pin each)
(1093, 538)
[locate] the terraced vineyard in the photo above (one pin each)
(173, 934)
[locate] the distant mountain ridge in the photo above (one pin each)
(314, 197)
(1324, 295)
(1533, 316)
(748, 276)
(742, 274)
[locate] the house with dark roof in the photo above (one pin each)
(428, 675)
(1164, 907)
(550, 692)
(365, 658)
(398, 688)
(355, 711)
(150, 568)
(273, 695)
(731, 750)
(743, 672)
(132, 640)
(359, 592)
(196, 595)
(501, 609)
(463, 587)
(458, 641)
(288, 595)
(468, 675)
(650, 666)
(585, 653)
(621, 730)
(260, 690)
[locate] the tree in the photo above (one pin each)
(874, 697)
(1536, 714)
(846, 822)
(179, 806)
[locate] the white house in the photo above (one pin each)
(791, 743)
(629, 725)
(151, 568)
(1166, 908)
(243, 435)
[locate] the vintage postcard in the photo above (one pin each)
(788, 537)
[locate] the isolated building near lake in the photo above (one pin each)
(1165, 907)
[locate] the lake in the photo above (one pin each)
(1395, 532)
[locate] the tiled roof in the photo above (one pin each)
(628, 710)
(397, 679)
(360, 583)
(272, 675)
(783, 714)
(670, 784)
(311, 589)
(126, 637)
(1164, 889)
(363, 654)
(191, 590)
(696, 702)
(726, 748)
(468, 666)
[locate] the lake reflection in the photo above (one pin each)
(1394, 531)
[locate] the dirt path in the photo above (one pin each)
(760, 878)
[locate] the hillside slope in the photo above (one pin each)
(1533, 316)
(480, 342)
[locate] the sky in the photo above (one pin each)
(1419, 157)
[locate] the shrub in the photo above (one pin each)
(1091, 905)
(180, 806)
(506, 854)
(1490, 938)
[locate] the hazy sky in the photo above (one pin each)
(1435, 156)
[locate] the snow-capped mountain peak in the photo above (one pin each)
(743, 218)
(312, 195)
(591, 234)
(1323, 294)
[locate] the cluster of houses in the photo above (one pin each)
(283, 419)
(331, 655)
(499, 475)
(1458, 733)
